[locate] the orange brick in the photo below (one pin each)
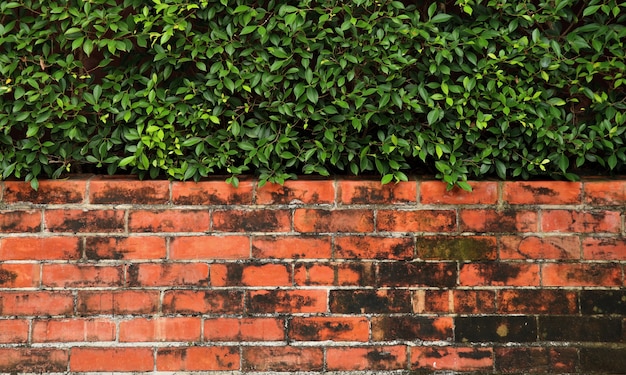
(374, 247)
(161, 329)
(373, 192)
(260, 220)
(125, 248)
(581, 222)
(542, 192)
(447, 358)
(355, 273)
(585, 274)
(314, 274)
(297, 191)
(329, 328)
(29, 360)
(127, 190)
(33, 248)
(36, 303)
(155, 221)
(73, 330)
(537, 248)
(436, 192)
(605, 193)
(499, 274)
(210, 247)
(498, 221)
(13, 332)
(377, 358)
(168, 274)
(18, 275)
(241, 274)
(203, 302)
(212, 192)
(325, 221)
(431, 301)
(291, 247)
(118, 302)
(244, 329)
(80, 221)
(112, 359)
(474, 301)
(27, 221)
(604, 248)
(49, 192)
(286, 301)
(198, 358)
(416, 221)
(81, 275)
(537, 301)
(282, 358)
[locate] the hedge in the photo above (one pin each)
(187, 89)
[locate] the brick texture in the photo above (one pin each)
(115, 275)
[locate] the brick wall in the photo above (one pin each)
(115, 275)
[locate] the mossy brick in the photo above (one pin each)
(411, 328)
(537, 301)
(603, 360)
(373, 192)
(480, 329)
(379, 301)
(125, 190)
(33, 360)
(603, 302)
(441, 275)
(456, 248)
(216, 192)
(580, 329)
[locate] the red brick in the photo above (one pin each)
(49, 192)
(260, 220)
(377, 358)
(244, 329)
(498, 221)
(474, 301)
(117, 302)
(127, 190)
(161, 329)
(291, 247)
(327, 221)
(73, 330)
(412, 328)
(581, 222)
(374, 247)
(604, 248)
(36, 303)
(81, 275)
(537, 301)
(125, 248)
(241, 274)
(563, 360)
(168, 274)
(286, 301)
(210, 247)
(450, 358)
(537, 248)
(314, 274)
(416, 221)
(282, 358)
(211, 193)
(198, 358)
(355, 274)
(28, 360)
(436, 192)
(431, 301)
(373, 192)
(112, 359)
(155, 221)
(26, 221)
(522, 360)
(499, 274)
(202, 302)
(577, 274)
(329, 328)
(542, 192)
(80, 221)
(13, 332)
(299, 191)
(19, 275)
(605, 193)
(46, 248)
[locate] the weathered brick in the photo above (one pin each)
(40, 248)
(474, 301)
(436, 192)
(431, 301)
(37, 303)
(246, 274)
(495, 329)
(581, 274)
(266, 220)
(19, 275)
(282, 358)
(291, 247)
(328, 328)
(537, 301)
(356, 273)
(81, 221)
(417, 274)
(580, 328)
(603, 302)
(127, 190)
(81, 275)
(388, 328)
(244, 329)
(73, 330)
(198, 358)
(117, 302)
(451, 358)
(457, 247)
(379, 301)
(161, 329)
(328, 221)
(499, 274)
(155, 221)
(203, 302)
(24, 221)
(535, 248)
(297, 191)
(125, 248)
(494, 221)
(521, 359)
(314, 274)
(604, 248)
(167, 274)
(566, 221)
(368, 247)
(286, 301)
(371, 358)
(31, 360)
(373, 192)
(605, 193)
(49, 192)
(210, 247)
(542, 192)
(111, 359)
(416, 220)
(216, 192)
(603, 360)
(13, 331)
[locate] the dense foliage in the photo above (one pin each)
(186, 88)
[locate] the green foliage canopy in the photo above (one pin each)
(186, 89)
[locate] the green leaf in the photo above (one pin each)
(386, 179)
(312, 95)
(441, 17)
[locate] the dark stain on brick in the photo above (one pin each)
(496, 329)
(93, 243)
(234, 273)
(245, 221)
(364, 270)
(228, 300)
(366, 195)
(417, 273)
(603, 360)
(580, 328)
(521, 360)
(129, 196)
(499, 272)
(605, 302)
(35, 361)
(456, 248)
(376, 356)
(408, 328)
(132, 275)
(370, 301)
(475, 354)
(268, 302)
(540, 190)
(7, 276)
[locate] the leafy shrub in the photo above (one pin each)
(186, 89)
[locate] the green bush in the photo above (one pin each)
(186, 89)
